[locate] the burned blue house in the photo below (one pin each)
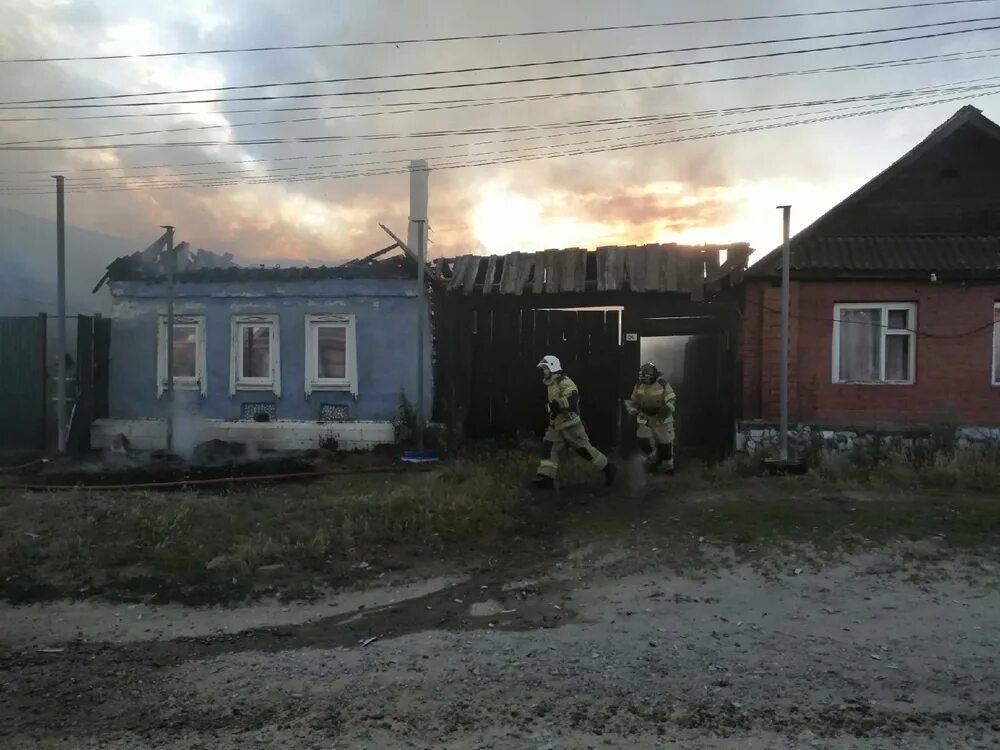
(280, 358)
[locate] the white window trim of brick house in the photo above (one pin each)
(313, 382)
(884, 333)
(996, 343)
(237, 381)
(181, 383)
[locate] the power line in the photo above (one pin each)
(645, 120)
(500, 35)
(537, 79)
(916, 331)
(505, 66)
(452, 104)
(465, 164)
(372, 137)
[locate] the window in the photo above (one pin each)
(996, 343)
(874, 342)
(189, 354)
(256, 350)
(331, 356)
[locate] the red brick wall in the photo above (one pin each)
(952, 378)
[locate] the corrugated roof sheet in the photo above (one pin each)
(686, 269)
(917, 254)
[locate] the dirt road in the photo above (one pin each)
(607, 647)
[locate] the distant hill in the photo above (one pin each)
(28, 257)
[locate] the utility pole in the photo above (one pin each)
(169, 389)
(421, 294)
(416, 238)
(61, 302)
(785, 283)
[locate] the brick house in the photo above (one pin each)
(894, 296)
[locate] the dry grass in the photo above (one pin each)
(205, 548)
(970, 469)
(296, 540)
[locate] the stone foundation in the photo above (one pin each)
(151, 434)
(761, 438)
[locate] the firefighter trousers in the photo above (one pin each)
(557, 441)
(656, 439)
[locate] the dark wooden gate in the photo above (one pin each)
(22, 383)
(90, 402)
(494, 390)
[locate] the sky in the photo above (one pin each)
(651, 159)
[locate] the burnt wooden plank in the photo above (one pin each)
(538, 279)
(482, 374)
(531, 274)
(471, 272)
(458, 273)
(552, 271)
(602, 262)
(671, 267)
(461, 361)
(610, 269)
(655, 257)
(635, 268)
(683, 259)
(494, 361)
(574, 271)
(491, 270)
(510, 274)
(712, 271)
(542, 346)
(697, 269)
(597, 391)
(441, 268)
(526, 266)
(525, 403)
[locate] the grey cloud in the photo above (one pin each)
(797, 154)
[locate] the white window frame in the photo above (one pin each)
(199, 381)
(885, 307)
(996, 343)
(313, 382)
(237, 382)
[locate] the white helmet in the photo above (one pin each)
(551, 363)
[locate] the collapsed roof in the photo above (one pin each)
(151, 266)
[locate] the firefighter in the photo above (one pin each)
(652, 404)
(565, 427)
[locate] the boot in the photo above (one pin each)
(666, 455)
(610, 471)
(543, 482)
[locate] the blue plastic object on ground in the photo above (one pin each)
(420, 457)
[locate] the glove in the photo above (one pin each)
(632, 411)
(641, 419)
(554, 409)
(667, 410)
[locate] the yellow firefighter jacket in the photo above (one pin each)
(654, 399)
(563, 405)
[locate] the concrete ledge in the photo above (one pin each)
(151, 434)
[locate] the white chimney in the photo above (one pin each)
(419, 172)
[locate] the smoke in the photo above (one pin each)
(636, 474)
(199, 441)
(188, 425)
(607, 194)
